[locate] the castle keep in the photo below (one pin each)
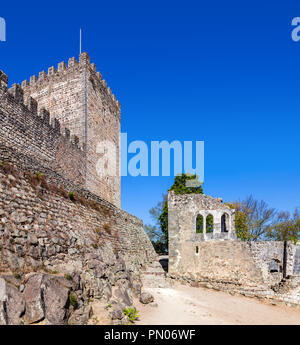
(73, 101)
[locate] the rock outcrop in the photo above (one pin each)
(57, 299)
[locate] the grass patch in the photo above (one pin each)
(68, 277)
(73, 300)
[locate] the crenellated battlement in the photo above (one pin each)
(16, 94)
(61, 72)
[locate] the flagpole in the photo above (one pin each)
(80, 42)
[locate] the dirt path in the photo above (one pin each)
(184, 305)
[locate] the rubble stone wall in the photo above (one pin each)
(39, 228)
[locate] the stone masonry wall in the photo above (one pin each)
(256, 267)
(183, 239)
(39, 228)
(30, 135)
(103, 127)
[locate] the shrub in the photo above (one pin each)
(53, 272)
(32, 179)
(98, 230)
(107, 228)
(44, 183)
(63, 192)
(132, 313)
(9, 169)
(53, 188)
(94, 205)
(71, 196)
(39, 175)
(17, 276)
(82, 200)
(73, 300)
(68, 277)
(105, 210)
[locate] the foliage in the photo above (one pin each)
(209, 223)
(252, 218)
(199, 224)
(71, 196)
(154, 232)
(181, 186)
(286, 227)
(132, 313)
(107, 228)
(98, 230)
(73, 300)
(241, 227)
(68, 277)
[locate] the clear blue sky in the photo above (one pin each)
(226, 72)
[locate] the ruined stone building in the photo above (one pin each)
(204, 249)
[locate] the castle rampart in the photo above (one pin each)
(29, 133)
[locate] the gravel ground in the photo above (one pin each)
(185, 305)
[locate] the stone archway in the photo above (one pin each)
(225, 223)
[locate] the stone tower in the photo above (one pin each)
(79, 98)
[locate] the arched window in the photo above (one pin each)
(199, 224)
(225, 223)
(209, 223)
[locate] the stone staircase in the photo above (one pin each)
(154, 276)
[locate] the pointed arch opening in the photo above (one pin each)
(209, 223)
(225, 223)
(199, 224)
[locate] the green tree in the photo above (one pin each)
(154, 232)
(183, 184)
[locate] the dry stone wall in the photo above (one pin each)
(40, 228)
